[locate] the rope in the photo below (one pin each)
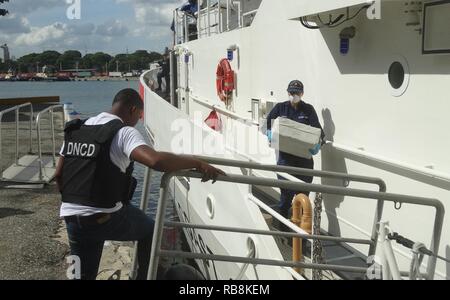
(317, 244)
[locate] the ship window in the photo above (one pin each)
(396, 75)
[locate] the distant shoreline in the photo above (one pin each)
(79, 79)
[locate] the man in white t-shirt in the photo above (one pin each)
(94, 176)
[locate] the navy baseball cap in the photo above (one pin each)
(295, 86)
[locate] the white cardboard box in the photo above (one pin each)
(294, 138)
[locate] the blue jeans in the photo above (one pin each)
(86, 239)
(288, 195)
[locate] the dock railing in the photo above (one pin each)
(380, 196)
(17, 110)
(50, 110)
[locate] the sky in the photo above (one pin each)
(112, 26)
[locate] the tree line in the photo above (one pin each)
(73, 59)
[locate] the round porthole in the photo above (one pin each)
(398, 76)
(210, 203)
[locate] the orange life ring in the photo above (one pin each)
(225, 79)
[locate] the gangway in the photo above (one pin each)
(32, 168)
(390, 268)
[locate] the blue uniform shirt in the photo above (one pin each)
(305, 114)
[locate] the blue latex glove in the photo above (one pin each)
(315, 150)
(269, 135)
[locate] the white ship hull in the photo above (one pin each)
(378, 131)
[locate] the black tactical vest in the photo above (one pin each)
(89, 176)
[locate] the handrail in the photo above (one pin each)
(50, 110)
(295, 171)
(159, 222)
(315, 173)
(408, 167)
(270, 233)
(17, 110)
(222, 110)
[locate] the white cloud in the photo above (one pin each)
(112, 28)
(13, 24)
(157, 12)
(28, 6)
(41, 35)
(148, 26)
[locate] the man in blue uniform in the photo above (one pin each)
(297, 110)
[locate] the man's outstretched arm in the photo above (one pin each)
(168, 162)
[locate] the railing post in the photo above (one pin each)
(377, 220)
(53, 136)
(159, 228)
(143, 207)
(17, 137)
(1, 160)
(219, 9)
(228, 15)
(175, 27)
(38, 129)
(31, 127)
(208, 11)
(186, 28)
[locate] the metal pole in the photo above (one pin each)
(238, 3)
(269, 233)
(376, 221)
(186, 28)
(294, 171)
(208, 11)
(159, 227)
(143, 207)
(187, 90)
(1, 160)
(219, 9)
(31, 128)
(17, 137)
(257, 261)
(172, 78)
(38, 121)
(52, 119)
(228, 15)
(199, 10)
(175, 27)
(389, 264)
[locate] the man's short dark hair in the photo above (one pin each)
(129, 98)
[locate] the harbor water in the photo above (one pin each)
(89, 99)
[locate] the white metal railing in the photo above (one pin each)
(397, 164)
(251, 180)
(206, 26)
(49, 110)
(15, 109)
(223, 111)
